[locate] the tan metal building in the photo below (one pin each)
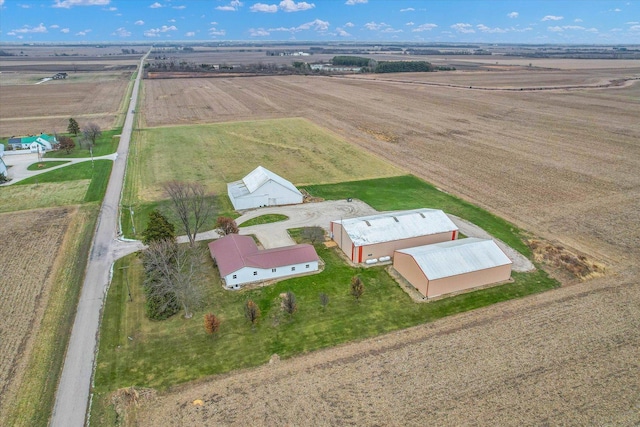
(370, 238)
(455, 266)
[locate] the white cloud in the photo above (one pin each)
(139, 22)
(374, 26)
(1, 2)
(463, 28)
(558, 29)
(122, 32)
(349, 25)
(410, 24)
(577, 20)
(342, 33)
(66, 4)
(490, 30)
(24, 6)
(180, 8)
(54, 26)
(83, 33)
(408, 9)
(156, 5)
(555, 29)
(213, 31)
(214, 23)
(424, 27)
(354, 2)
(513, 15)
(617, 9)
(262, 7)
(155, 32)
(592, 30)
(172, 20)
(27, 29)
(634, 28)
(552, 18)
(258, 32)
(233, 6)
(111, 9)
(292, 6)
(316, 25)
(632, 23)
(64, 30)
(190, 34)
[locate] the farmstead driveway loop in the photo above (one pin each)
(72, 396)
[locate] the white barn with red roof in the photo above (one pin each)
(240, 261)
(261, 187)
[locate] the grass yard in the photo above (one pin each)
(107, 143)
(264, 219)
(216, 154)
(409, 192)
(97, 172)
(45, 165)
(23, 197)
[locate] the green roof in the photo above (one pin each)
(30, 139)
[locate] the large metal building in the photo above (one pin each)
(454, 266)
(369, 238)
(261, 187)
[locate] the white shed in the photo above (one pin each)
(260, 188)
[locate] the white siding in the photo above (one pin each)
(269, 194)
(246, 274)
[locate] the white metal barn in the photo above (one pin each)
(374, 238)
(260, 188)
(453, 266)
(240, 261)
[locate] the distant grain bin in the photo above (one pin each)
(376, 236)
(455, 266)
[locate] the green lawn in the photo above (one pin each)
(409, 192)
(45, 165)
(23, 197)
(106, 144)
(98, 172)
(264, 219)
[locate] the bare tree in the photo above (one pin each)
(289, 303)
(174, 269)
(91, 133)
(251, 312)
(324, 300)
(313, 234)
(357, 287)
(190, 205)
(66, 144)
(226, 226)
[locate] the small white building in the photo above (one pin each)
(455, 266)
(241, 262)
(261, 188)
(35, 144)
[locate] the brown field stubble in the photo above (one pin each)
(561, 163)
(30, 243)
(32, 111)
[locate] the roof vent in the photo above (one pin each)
(368, 223)
(422, 215)
(395, 219)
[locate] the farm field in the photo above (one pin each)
(30, 244)
(541, 160)
(27, 114)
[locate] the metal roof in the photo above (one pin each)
(457, 257)
(259, 176)
(233, 252)
(388, 226)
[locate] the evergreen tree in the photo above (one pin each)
(73, 127)
(158, 228)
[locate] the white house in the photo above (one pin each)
(260, 188)
(240, 261)
(35, 144)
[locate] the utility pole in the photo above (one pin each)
(126, 273)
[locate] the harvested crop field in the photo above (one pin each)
(494, 366)
(541, 159)
(30, 243)
(47, 107)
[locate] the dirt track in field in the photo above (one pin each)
(562, 164)
(493, 366)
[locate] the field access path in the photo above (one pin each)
(72, 396)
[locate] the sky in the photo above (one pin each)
(453, 21)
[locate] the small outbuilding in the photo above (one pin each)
(240, 261)
(455, 266)
(261, 188)
(369, 238)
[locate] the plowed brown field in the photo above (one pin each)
(30, 243)
(31, 109)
